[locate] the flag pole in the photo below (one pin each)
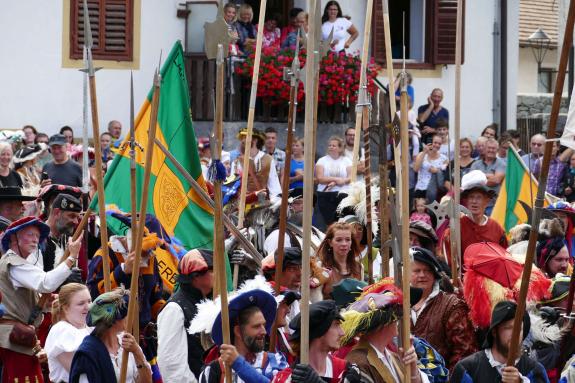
(536, 217)
(361, 109)
(454, 221)
(250, 126)
(404, 126)
(218, 169)
(132, 312)
(98, 149)
(308, 183)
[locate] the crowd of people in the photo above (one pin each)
(59, 322)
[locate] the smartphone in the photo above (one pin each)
(44, 176)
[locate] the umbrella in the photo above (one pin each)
(492, 261)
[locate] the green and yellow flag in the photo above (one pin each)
(180, 210)
(517, 195)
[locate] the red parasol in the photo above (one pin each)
(494, 262)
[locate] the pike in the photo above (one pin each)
(536, 217)
(362, 107)
(455, 219)
(368, 224)
(88, 42)
(218, 173)
(132, 310)
(85, 159)
(294, 83)
(250, 126)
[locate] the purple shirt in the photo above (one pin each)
(555, 175)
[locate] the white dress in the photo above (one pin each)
(63, 337)
(340, 27)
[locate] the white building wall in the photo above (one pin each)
(37, 90)
(528, 69)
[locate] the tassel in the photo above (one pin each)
(217, 171)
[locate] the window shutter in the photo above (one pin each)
(444, 29)
(378, 33)
(111, 22)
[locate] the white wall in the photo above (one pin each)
(36, 89)
(528, 69)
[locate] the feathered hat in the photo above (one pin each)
(254, 292)
(378, 305)
(354, 203)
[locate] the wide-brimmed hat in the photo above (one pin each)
(258, 134)
(427, 257)
(559, 289)
(347, 291)
(422, 229)
(28, 153)
(475, 180)
(321, 316)
(23, 223)
(502, 312)
(14, 193)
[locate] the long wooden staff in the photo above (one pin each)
(454, 221)
(368, 224)
(250, 126)
(536, 217)
(362, 82)
(251, 114)
(132, 311)
(404, 126)
(98, 149)
(383, 200)
(218, 213)
(308, 183)
(391, 80)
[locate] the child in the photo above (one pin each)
(419, 212)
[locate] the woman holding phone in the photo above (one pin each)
(429, 165)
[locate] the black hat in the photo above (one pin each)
(13, 193)
(67, 202)
(28, 153)
(292, 256)
(425, 256)
(57, 139)
(321, 316)
(52, 190)
(502, 312)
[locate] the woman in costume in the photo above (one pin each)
(99, 357)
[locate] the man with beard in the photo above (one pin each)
(63, 219)
(348, 152)
(489, 365)
(252, 313)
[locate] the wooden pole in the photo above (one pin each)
(406, 320)
(383, 201)
(248, 246)
(536, 216)
(454, 221)
(132, 311)
(250, 127)
(251, 115)
(368, 224)
(391, 80)
(308, 183)
(79, 230)
(362, 83)
(219, 250)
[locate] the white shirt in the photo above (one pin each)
(500, 366)
(32, 277)
(340, 33)
(173, 345)
(62, 338)
(349, 154)
(334, 168)
(387, 358)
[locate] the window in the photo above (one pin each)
(111, 22)
(546, 78)
(430, 27)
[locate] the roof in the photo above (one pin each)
(534, 14)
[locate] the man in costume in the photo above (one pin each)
(478, 227)
(290, 277)
(262, 170)
(11, 203)
(179, 352)
(373, 319)
(21, 282)
(489, 364)
(439, 318)
(252, 311)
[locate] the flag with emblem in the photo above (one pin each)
(180, 210)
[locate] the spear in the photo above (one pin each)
(454, 221)
(85, 159)
(250, 125)
(362, 82)
(132, 311)
(294, 83)
(368, 224)
(98, 148)
(539, 199)
(218, 171)
(308, 182)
